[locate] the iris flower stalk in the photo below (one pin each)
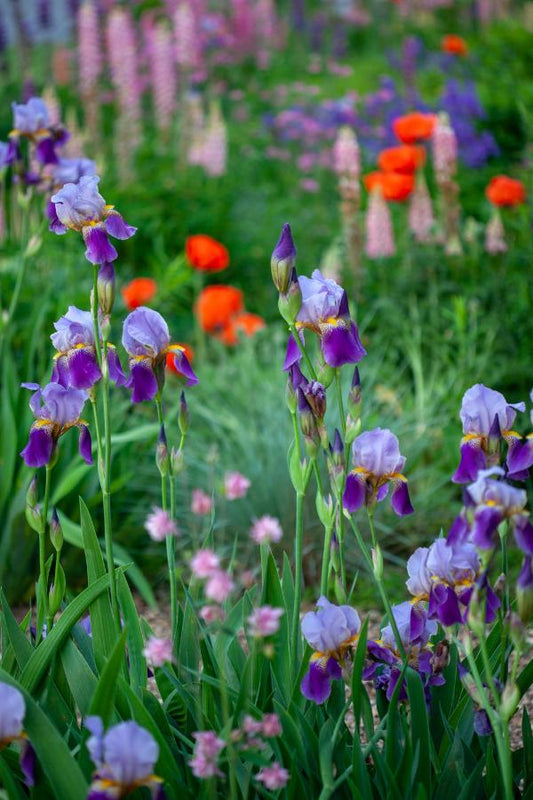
(166, 470)
(104, 454)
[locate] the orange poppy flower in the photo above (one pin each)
(216, 305)
(405, 159)
(394, 185)
(138, 292)
(246, 324)
(454, 44)
(206, 254)
(504, 191)
(412, 127)
(171, 364)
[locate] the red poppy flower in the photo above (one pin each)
(138, 292)
(216, 306)
(412, 127)
(171, 363)
(246, 324)
(454, 44)
(394, 185)
(504, 191)
(406, 158)
(206, 254)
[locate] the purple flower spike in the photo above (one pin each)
(377, 461)
(331, 631)
(146, 339)
(56, 410)
(80, 207)
(487, 418)
(325, 310)
(124, 757)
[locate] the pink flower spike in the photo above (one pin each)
(205, 563)
(158, 651)
(206, 752)
(159, 525)
(264, 621)
(235, 485)
(219, 586)
(251, 726)
(271, 726)
(273, 777)
(201, 502)
(265, 530)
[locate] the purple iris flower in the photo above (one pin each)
(384, 663)
(76, 363)
(146, 339)
(325, 311)
(124, 757)
(12, 711)
(487, 418)
(331, 631)
(488, 502)
(31, 120)
(72, 170)
(80, 207)
(56, 409)
(377, 461)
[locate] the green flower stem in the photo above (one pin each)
(296, 432)
(500, 729)
(338, 386)
(298, 546)
(23, 260)
(99, 453)
(326, 560)
(303, 351)
(233, 793)
(169, 541)
(50, 618)
(105, 485)
(42, 543)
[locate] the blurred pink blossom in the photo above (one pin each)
(264, 621)
(235, 485)
(201, 503)
(273, 777)
(266, 529)
(160, 525)
(158, 651)
(205, 756)
(309, 185)
(219, 586)
(379, 233)
(271, 726)
(205, 563)
(212, 613)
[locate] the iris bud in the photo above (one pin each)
(106, 287)
(183, 417)
(283, 260)
(290, 302)
(56, 534)
(161, 453)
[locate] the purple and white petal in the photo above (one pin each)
(85, 444)
(145, 333)
(99, 248)
(143, 381)
(340, 345)
(38, 451)
(116, 226)
(400, 500)
(473, 460)
(354, 493)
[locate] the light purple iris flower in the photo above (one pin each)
(12, 712)
(31, 120)
(325, 311)
(146, 339)
(377, 461)
(76, 363)
(384, 666)
(487, 419)
(80, 207)
(72, 170)
(56, 409)
(330, 631)
(124, 758)
(488, 502)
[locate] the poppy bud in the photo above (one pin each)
(283, 259)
